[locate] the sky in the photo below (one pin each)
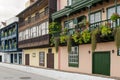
(10, 8)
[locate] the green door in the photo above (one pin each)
(101, 63)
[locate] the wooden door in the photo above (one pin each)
(50, 60)
(27, 59)
(101, 63)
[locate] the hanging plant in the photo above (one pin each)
(117, 37)
(114, 16)
(63, 39)
(69, 43)
(57, 40)
(52, 40)
(54, 28)
(94, 39)
(77, 38)
(63, 36)
(86, 36)
(105, 30)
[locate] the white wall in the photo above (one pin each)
(5, 57)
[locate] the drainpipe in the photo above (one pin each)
(116, 12)
(89, 11)
(115, 6)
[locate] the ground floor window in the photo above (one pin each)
(15, 58)
(41, 58)
(74, 57)
(118, 52)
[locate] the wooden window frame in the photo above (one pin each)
(42, 64)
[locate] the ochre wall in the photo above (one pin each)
(34, 61)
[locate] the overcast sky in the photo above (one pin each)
(10, 8)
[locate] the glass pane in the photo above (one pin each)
(118, 10)
(110, 12)
(98, 17)
(92, 18)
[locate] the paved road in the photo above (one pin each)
(11, 74)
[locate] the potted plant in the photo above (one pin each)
(114, 16)
(86, 36)
(77, 37)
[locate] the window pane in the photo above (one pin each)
(41, 58)
(73, 57)
(97, 17)
(92, 18)
(118, 10)
(110, 12)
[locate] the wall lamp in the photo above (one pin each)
(113, 51)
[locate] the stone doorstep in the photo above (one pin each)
(96, 75)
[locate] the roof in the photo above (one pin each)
(74, 7)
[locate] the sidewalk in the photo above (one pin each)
(53, 74)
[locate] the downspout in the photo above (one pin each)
(115, 6)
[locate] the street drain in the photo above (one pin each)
(25, 77)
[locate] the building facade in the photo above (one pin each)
(105, 59)
(34, 34)
(9, 42)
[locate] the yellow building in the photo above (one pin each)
(34, 37)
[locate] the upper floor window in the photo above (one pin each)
(70, 2)
(29, 19)
(95, 17)
(111, 10)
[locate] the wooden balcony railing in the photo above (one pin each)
(34, 20)
(34, 42)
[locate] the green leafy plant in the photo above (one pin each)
(69, 43)
(52, 40)
(114, 16)
(86, 36)
(63, 36)
(94, 39)
(54, 27)
(77, 38)
(117, 37)
(57, 41)
(105, 30)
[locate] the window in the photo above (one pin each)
(15, 58)
(70, 2)
(110, 11)
(29, 19)
(74, 57)
(70, 24)
(26, 34)
(95, 17)
(37, 15)
(40, 32)
(118, 52)
(44, 28)
(41, 58)
(33, 32)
